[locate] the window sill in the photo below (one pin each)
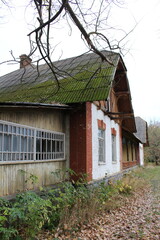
(114, 162)
(31, 162)
(104, 163)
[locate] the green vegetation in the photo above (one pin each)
(152, 153)
(73, 203)
(149, 173)
(69, 205)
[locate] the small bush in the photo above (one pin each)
(6, 230)
(68, 206)
(30, 212)
(124, 188)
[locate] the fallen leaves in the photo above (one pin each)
(137, 218)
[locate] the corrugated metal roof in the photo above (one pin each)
(83, 78)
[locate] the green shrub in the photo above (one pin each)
(6, 230)
(70, 204)
(124, 188)
(30, 212)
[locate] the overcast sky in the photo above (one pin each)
(142, 60)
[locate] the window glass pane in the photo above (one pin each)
(113, 148)
(43, 135)
(23, 144)
(43, 145)
(57, 146)
(9, 129)
(1, 127)
(9, 156)
(5, 128)
(101, 133)
(48, 145)
(37, 156)
(7, 143)
(14, 129)
(21, 156)
(5, 157)
(32, 132)
(0, 141)
(18, 130)
(25, 131)
(38, 149)
(101, 145)
(30, 144)
(48, 135)
(61, 147)
(16, 143)
(17, 156)
(29, 132)
(53, 146)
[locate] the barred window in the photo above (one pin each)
(101, 145)
(23, 143)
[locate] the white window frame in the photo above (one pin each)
(12, 135)
(114, 149)
(101, 146)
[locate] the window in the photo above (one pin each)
(101, 145)
(114, 152)
(21, 143)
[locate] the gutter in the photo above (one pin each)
(35, 105)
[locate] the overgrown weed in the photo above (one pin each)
(67, 206)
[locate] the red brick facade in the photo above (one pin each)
(114, 132)
(81, 140)
(101, 124)
(128, 164)
(89, 140)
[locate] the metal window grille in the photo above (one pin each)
(101, 145)
(23, 143)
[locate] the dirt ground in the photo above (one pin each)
(137, 218)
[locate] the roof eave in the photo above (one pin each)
(35, 105)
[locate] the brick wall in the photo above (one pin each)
(89, 140)
(81, 140)
(129, 164)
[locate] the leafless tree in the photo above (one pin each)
(90, 17)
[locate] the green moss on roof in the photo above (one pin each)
(90, 85)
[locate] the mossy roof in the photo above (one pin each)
(81, 79)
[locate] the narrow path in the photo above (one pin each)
(138, 218)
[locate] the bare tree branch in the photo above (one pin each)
(50, 20)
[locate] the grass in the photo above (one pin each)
(150, 173)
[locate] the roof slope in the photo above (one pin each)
(142, 130)
(83, 78)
